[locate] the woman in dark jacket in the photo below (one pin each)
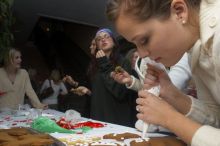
(109, 100)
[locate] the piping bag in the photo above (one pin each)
(142, 72)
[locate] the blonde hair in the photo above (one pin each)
(9, 55)
(130, 54)
(55, 75)
(144, 9)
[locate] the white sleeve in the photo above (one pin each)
(206, 136)
(44, 85)
(63, 88)
(180, 73)
(135, 85)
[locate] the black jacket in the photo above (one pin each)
(110, 101)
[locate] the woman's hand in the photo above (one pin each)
(155, 77)
(168, 91)
(70, 80)
(43, 106)
(100, 54)
(153, 109)
(81, 90)
(122, 77)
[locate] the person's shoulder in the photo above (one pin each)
(23, 71)
(47, 80)
(1, 70)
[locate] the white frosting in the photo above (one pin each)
(104, 143)
(115, 134)
(141, 139)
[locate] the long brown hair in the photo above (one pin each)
(113, 58)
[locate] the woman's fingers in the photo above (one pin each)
(151, 78)
(153, 109)
(100, 53)
(145, 101)
(155, 69)
(122, 78)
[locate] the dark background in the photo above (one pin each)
(57, 34)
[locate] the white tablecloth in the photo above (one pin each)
(8, 120)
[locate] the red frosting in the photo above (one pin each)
(88, 124)
(65, 124)
(2, 93)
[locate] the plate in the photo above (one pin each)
(26, 133)
(56, 141)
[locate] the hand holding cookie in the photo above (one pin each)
(119, 69)
(70, 80)
(121, 76)
(81, 90)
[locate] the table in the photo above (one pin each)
(8, 120)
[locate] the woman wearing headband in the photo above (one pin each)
(109, 100)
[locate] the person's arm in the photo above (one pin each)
(192, 132)
(202, 111)
(206, 136)
(31, 93)
(81, 90)
(168, 91)
(118, 90)
(157, 111)
(70, 81)
(130, 81)
(136, 84)
(63, 89)
(183, 127)
(45, 85)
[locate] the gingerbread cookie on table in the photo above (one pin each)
(158, 141)
(121, 137)
(16, 131)
(23, 137)
(139, 142)
(105, 144)
(166, 141)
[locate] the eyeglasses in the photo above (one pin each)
(105, 36)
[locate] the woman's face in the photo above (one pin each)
(104, 41)
(162, 41)
(55, 74)
(134, 58)
(16, 60)
(92, 47)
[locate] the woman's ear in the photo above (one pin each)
(180, 9)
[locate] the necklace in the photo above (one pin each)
(11, 76)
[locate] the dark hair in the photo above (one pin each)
(113, 58)
(129, 55)
(143, 9)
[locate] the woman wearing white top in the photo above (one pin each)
(58, 87)
(180, 74)
(164, 30)
(15, 83)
